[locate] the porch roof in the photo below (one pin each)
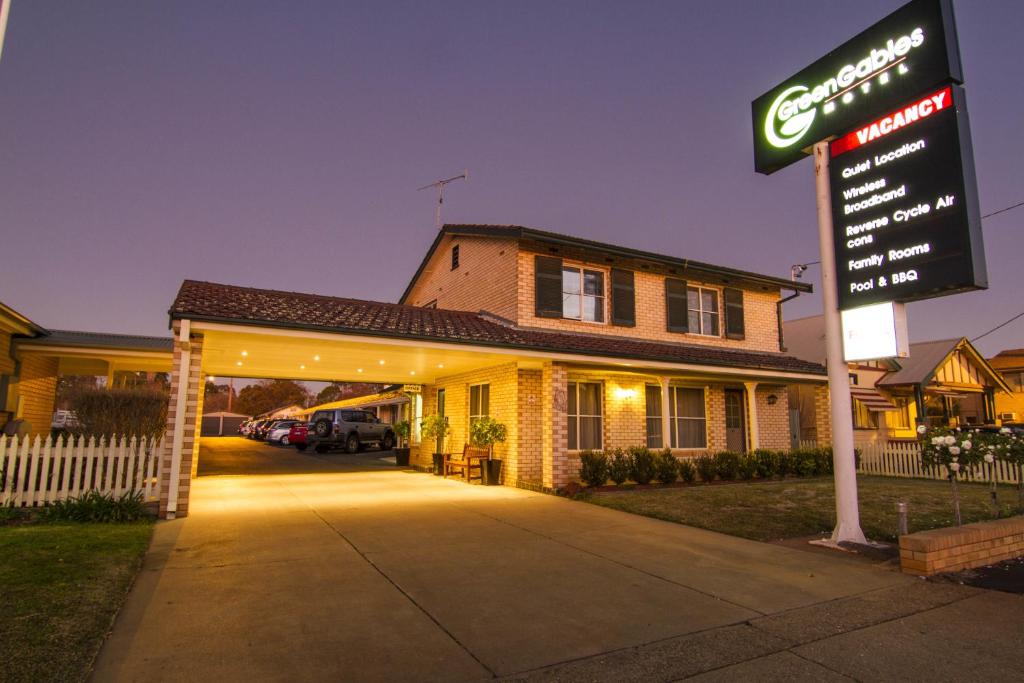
(213, 302)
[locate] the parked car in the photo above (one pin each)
(258, 428)
(279, 430)
(297, 435)
(243, 427)
(348, 429)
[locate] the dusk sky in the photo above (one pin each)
(280, 144)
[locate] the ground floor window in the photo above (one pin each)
(653, 398)
(479, 401)
(899, 418)
(688, 419)
(585, 416)
(862, 417)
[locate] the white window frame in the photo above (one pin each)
(675, 420)
(574, 385)
(582, 271)
(648, 417)
(700, 310)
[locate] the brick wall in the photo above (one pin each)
(760, 313)
(529, 467)
(190, 444)
(822, 415)
(773, 420)
(957, 548)
(36, 391)
(484, 280)
(556, 468)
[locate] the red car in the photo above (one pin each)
(297, 435)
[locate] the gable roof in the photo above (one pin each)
(213, 302)
(927, 357)
(518, 232)
(17, 323)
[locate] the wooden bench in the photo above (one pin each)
(466, 462)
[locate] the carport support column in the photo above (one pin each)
(666, 417)
(554, 426)
(181, 441)
(755, 437)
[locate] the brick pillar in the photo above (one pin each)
(184, 425)
(554, 428)
(822, 415)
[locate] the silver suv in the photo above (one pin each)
(348, 429)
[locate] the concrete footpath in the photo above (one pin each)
(380, 574)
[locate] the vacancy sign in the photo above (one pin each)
(905, 206)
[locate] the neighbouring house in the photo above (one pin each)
(941, 383)
(292, 410)
(1010, 406)
(389, 405)
(32, 359)
(572, 344)
(222, 423)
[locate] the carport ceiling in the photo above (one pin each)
(324, 357)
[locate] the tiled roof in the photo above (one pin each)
(103, 340)
(245, 305)
(556, 239)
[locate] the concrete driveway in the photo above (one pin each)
(383, 574)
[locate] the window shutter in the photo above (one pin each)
(623, 298)
(547, 286)
(676, 309)
(733, 313)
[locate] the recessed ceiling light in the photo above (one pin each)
(359, 369)
(380, 362)
(316, 357)
(302, 367)
(238, 363)
(245, 353)
(412, 372)
(440, 365)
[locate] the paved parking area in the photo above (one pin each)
(237, 455)
(382, 574)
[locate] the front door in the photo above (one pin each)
(439, 447)
(735, 422)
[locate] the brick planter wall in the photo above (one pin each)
(956, 548)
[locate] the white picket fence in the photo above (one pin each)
(903, 459)
(37, 471)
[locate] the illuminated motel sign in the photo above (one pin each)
(913, 49)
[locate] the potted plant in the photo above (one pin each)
(402, 430)
(484, 433)
(435, 427)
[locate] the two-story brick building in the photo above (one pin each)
(572, 344)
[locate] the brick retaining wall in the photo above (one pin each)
(955, 548)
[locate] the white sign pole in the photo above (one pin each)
(847, 512)
(5, 9)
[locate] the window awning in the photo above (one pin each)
(871, 399)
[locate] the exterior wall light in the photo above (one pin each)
(625, 394)
(772, 399)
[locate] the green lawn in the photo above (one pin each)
(768, 511)
(60, 586)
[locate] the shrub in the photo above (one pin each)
(122, 412)
(94, 506)
(804, 461)
(619, 466)
(641, 464)
(784, 463)
(707, 468)
(666, 467)
(486, 431)
(823, 458)
(767, 463)
(687, 471)
(593, 468)
(748, 466)
(727, 465)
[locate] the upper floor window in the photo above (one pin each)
(702, 305)
(455, 257)
(1015, 380)
(583, 294)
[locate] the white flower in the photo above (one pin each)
(954, 450)
(954, 467)
(966, 445)
(949, 440)
(1004, 430)
(989, 458)
(921, 429)
(937, 441)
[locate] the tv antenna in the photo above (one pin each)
(440, 185)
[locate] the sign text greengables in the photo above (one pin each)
(912, 50)
(905, 205)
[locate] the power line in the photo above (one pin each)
(996, 213)
(1019, 315)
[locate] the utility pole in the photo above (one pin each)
(440, 185)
